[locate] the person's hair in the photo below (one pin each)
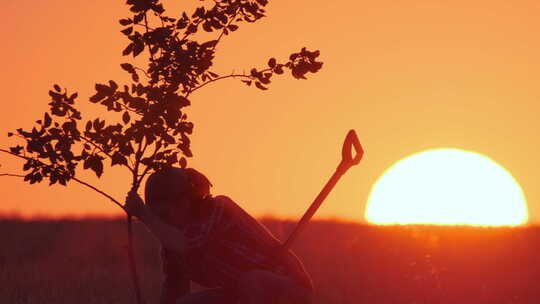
(187, 181)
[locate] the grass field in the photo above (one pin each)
(85, 262)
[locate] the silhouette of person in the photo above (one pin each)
(213, 242)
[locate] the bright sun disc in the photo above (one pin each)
(447, 186)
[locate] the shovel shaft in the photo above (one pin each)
(313, 208)
(347, 160)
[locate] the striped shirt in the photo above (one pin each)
(223, 245)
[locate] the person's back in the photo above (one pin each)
(230, 252)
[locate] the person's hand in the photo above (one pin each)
(134, 204)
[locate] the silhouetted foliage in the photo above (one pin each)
(153, 132)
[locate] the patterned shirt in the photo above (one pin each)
(223, 245)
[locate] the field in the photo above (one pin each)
(85, 262)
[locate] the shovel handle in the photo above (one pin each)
(347, 161)
(347, 158)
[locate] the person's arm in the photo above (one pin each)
(175, 282)
(169, 236)
(288, 258)
(293, 265)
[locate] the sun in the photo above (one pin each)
(447, 186)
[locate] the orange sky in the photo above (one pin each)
(407, 75)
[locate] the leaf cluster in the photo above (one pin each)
(152, 131)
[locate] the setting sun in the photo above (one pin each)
(447, 186)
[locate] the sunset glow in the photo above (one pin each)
(447, 186)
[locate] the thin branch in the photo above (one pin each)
(95, 145)
(129, 109)
(216, 79)
(145, 146)
(213, 48)
(146, 27)
(138, 156)
(99, 191)
(130, 162)
(186, 34)
(73, 178)
(142, 70)
(100, 149)
(225, 28)
(139, 180)
(9, 174)
(17, 155)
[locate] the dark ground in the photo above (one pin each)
(85, 262)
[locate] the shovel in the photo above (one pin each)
(347, 161)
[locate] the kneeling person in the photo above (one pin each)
(213, 242)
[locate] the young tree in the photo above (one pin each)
(153, 132)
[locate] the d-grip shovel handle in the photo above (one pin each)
(347, 161)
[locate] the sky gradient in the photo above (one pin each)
(406, 75)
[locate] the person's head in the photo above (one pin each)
(172, 193)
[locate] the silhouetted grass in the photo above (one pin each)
(70, 261)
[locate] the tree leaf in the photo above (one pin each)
(138, 48)
(97, 125)
(88, 126)
(260, 86)
(103, 89)
(272, 63)
(52, 179)
(125, 22)
(88, 162)
(191, 29)
(182, 162)
(96, 97)
(97, 165)
(209, 44)
(128, 50)
(138, 18)
(55, 96)
(113, 85)
(127, 66)
(207, 26)
(16, 150)
(118, 159)
(127, 30)
(169, 139)
(47, 120)
(125, 117)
